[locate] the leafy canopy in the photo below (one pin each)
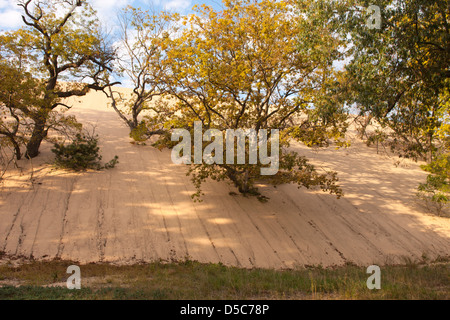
(254, 65)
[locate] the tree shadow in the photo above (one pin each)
(142, 211)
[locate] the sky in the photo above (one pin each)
(10, 13)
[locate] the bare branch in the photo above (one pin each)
(77, 4)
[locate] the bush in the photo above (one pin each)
(437, 188)
(81, 154)
(139, 134)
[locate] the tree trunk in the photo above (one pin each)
(241, 181)
(430, 148)
(37, 137)
(12, 138)
(135, 121)
(16, 149)
(245, 183)
(40, 120)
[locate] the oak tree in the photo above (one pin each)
(255, 65)
(61, 41)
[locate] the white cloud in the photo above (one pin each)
(10, 19)
(107, 10)
(10, 15)
(4, 4)
(106, 6)
(176, 5)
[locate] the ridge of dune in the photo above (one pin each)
(141, 211)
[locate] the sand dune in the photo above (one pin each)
(141, 211)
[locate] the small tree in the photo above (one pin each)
(56, 42)
(20, 100)
(81, 154)
(140, 60)
(437, 188)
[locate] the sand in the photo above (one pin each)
(141, 211)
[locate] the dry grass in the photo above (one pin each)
(192, 280)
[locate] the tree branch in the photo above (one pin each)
(84, 91)
(77, 4)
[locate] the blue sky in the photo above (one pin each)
(10, 13)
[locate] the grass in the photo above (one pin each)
(192, 280)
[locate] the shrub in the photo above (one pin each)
(139, 134)
(81, 154)
(437, 188)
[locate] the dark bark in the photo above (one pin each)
(12, 135)
(15, 144)
(135, 121)
(50, 61)
(430, 147)
(241, 181)
(38, 135)
(17, 150)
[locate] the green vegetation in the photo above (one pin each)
(257, 65)
(81, 154)
(251, 65)
(60, 40)
(437, 188)
(192, 280)
(398, 76)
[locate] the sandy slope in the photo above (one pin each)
(142, 211)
